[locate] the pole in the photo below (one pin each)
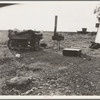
(55, 27)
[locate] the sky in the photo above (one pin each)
(40, 15)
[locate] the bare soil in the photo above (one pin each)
(53, 73)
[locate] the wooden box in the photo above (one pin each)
(72, 52)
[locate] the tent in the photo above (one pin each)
(96, 44)
(97, 12)
(97, 38)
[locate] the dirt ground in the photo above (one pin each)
(53, 73)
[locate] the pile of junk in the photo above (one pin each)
(26, 39)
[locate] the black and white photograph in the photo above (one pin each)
(50, 48)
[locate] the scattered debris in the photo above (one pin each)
(18, 55)
(94, 45)
(18, 81)
(29, 91)
(44, 45)
(15, 91)
(86, 57)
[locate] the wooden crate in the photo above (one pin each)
(71, 52)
